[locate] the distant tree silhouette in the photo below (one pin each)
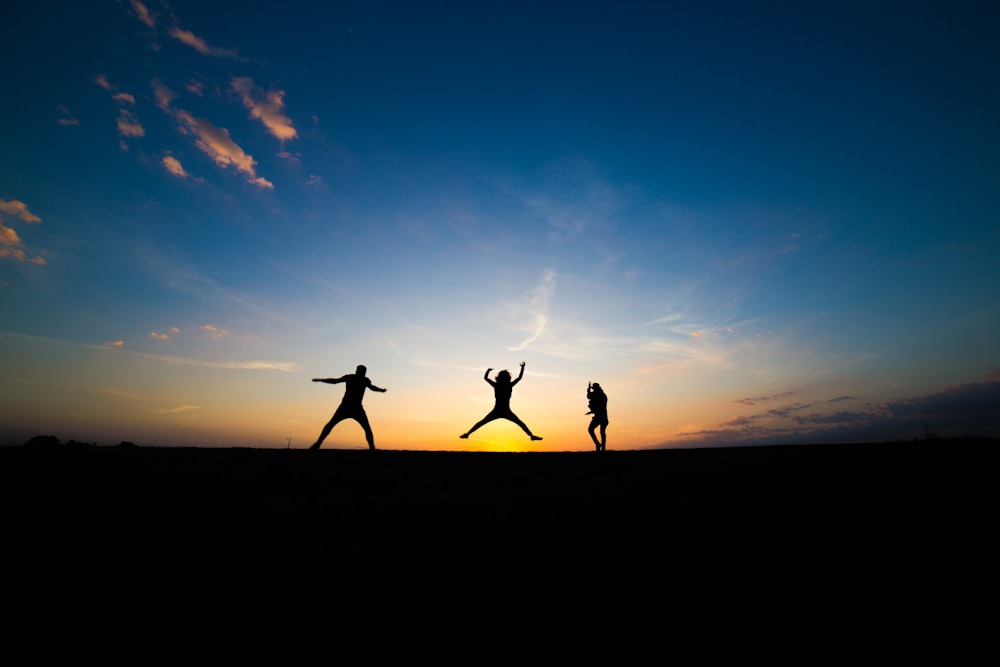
(42, 441)
(597, 402)
(503, 387)
(350, 406)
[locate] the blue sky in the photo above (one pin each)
(750, 222)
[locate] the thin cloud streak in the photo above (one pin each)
(257, 365)
(534, 311)
(201, 46)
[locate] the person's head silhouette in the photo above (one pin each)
(504, 377)
(361, 370)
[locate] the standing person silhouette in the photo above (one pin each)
(350, 406)
(597, 401)
(502, 389)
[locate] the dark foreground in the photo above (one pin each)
(872, 554)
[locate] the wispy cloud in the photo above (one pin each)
(533, 310)
(285, 367)
(164, 95)
(201, 46)
(254, 365)
(214, 331)
(143, 14)
(760, 399)
(179, 409)
(66, 118)
(195, 87)
(267, 107)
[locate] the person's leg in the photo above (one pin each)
(485, 420)
(512, 417)
(336, 419)
(604, 435)
(362, 419)
(593, 436)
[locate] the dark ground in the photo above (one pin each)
(830, 555)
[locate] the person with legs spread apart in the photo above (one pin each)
(503, 386)
(350, 406)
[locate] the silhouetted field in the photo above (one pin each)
(807, 554)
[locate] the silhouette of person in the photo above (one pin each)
(597, 401)
(350, 406)
(502, 389)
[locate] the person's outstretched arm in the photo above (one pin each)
(374, 388)
(329, 380)
(486, 376)
(519, 375)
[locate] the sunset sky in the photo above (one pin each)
(751, 222)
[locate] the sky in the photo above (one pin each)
(750, 222)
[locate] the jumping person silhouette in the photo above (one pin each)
(597, 401)
(350, 406)
(502, 389)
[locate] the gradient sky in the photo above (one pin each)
(751, 222)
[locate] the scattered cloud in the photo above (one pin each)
(11, 245)
(216, 143)
(115, 343)
(761, 399)
(174, 166)
(201, 46)
(214, 331)
(159, 336)
(128, 125)
(195, 87)
(164, 96)
(143, 14)
(66, 117)
(18, 209)
(267, 107)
